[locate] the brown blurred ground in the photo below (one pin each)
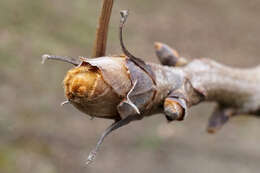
(37, 135)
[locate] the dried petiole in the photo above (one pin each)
(70, 60)
(112, 127)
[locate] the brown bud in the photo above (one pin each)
(82, 82)
(95, 88)
(168, 56)
(173, 110)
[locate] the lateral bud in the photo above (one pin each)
(169, 56)
(174, 109)
(219, 117)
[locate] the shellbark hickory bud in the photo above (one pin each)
(97, 86)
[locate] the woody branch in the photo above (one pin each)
(130, 88)
(236, 91)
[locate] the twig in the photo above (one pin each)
(103, 87)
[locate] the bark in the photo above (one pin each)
(230, 87)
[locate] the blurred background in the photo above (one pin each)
(37, 135)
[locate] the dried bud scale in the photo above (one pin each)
(84, 87)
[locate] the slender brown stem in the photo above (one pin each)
(102, 29)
